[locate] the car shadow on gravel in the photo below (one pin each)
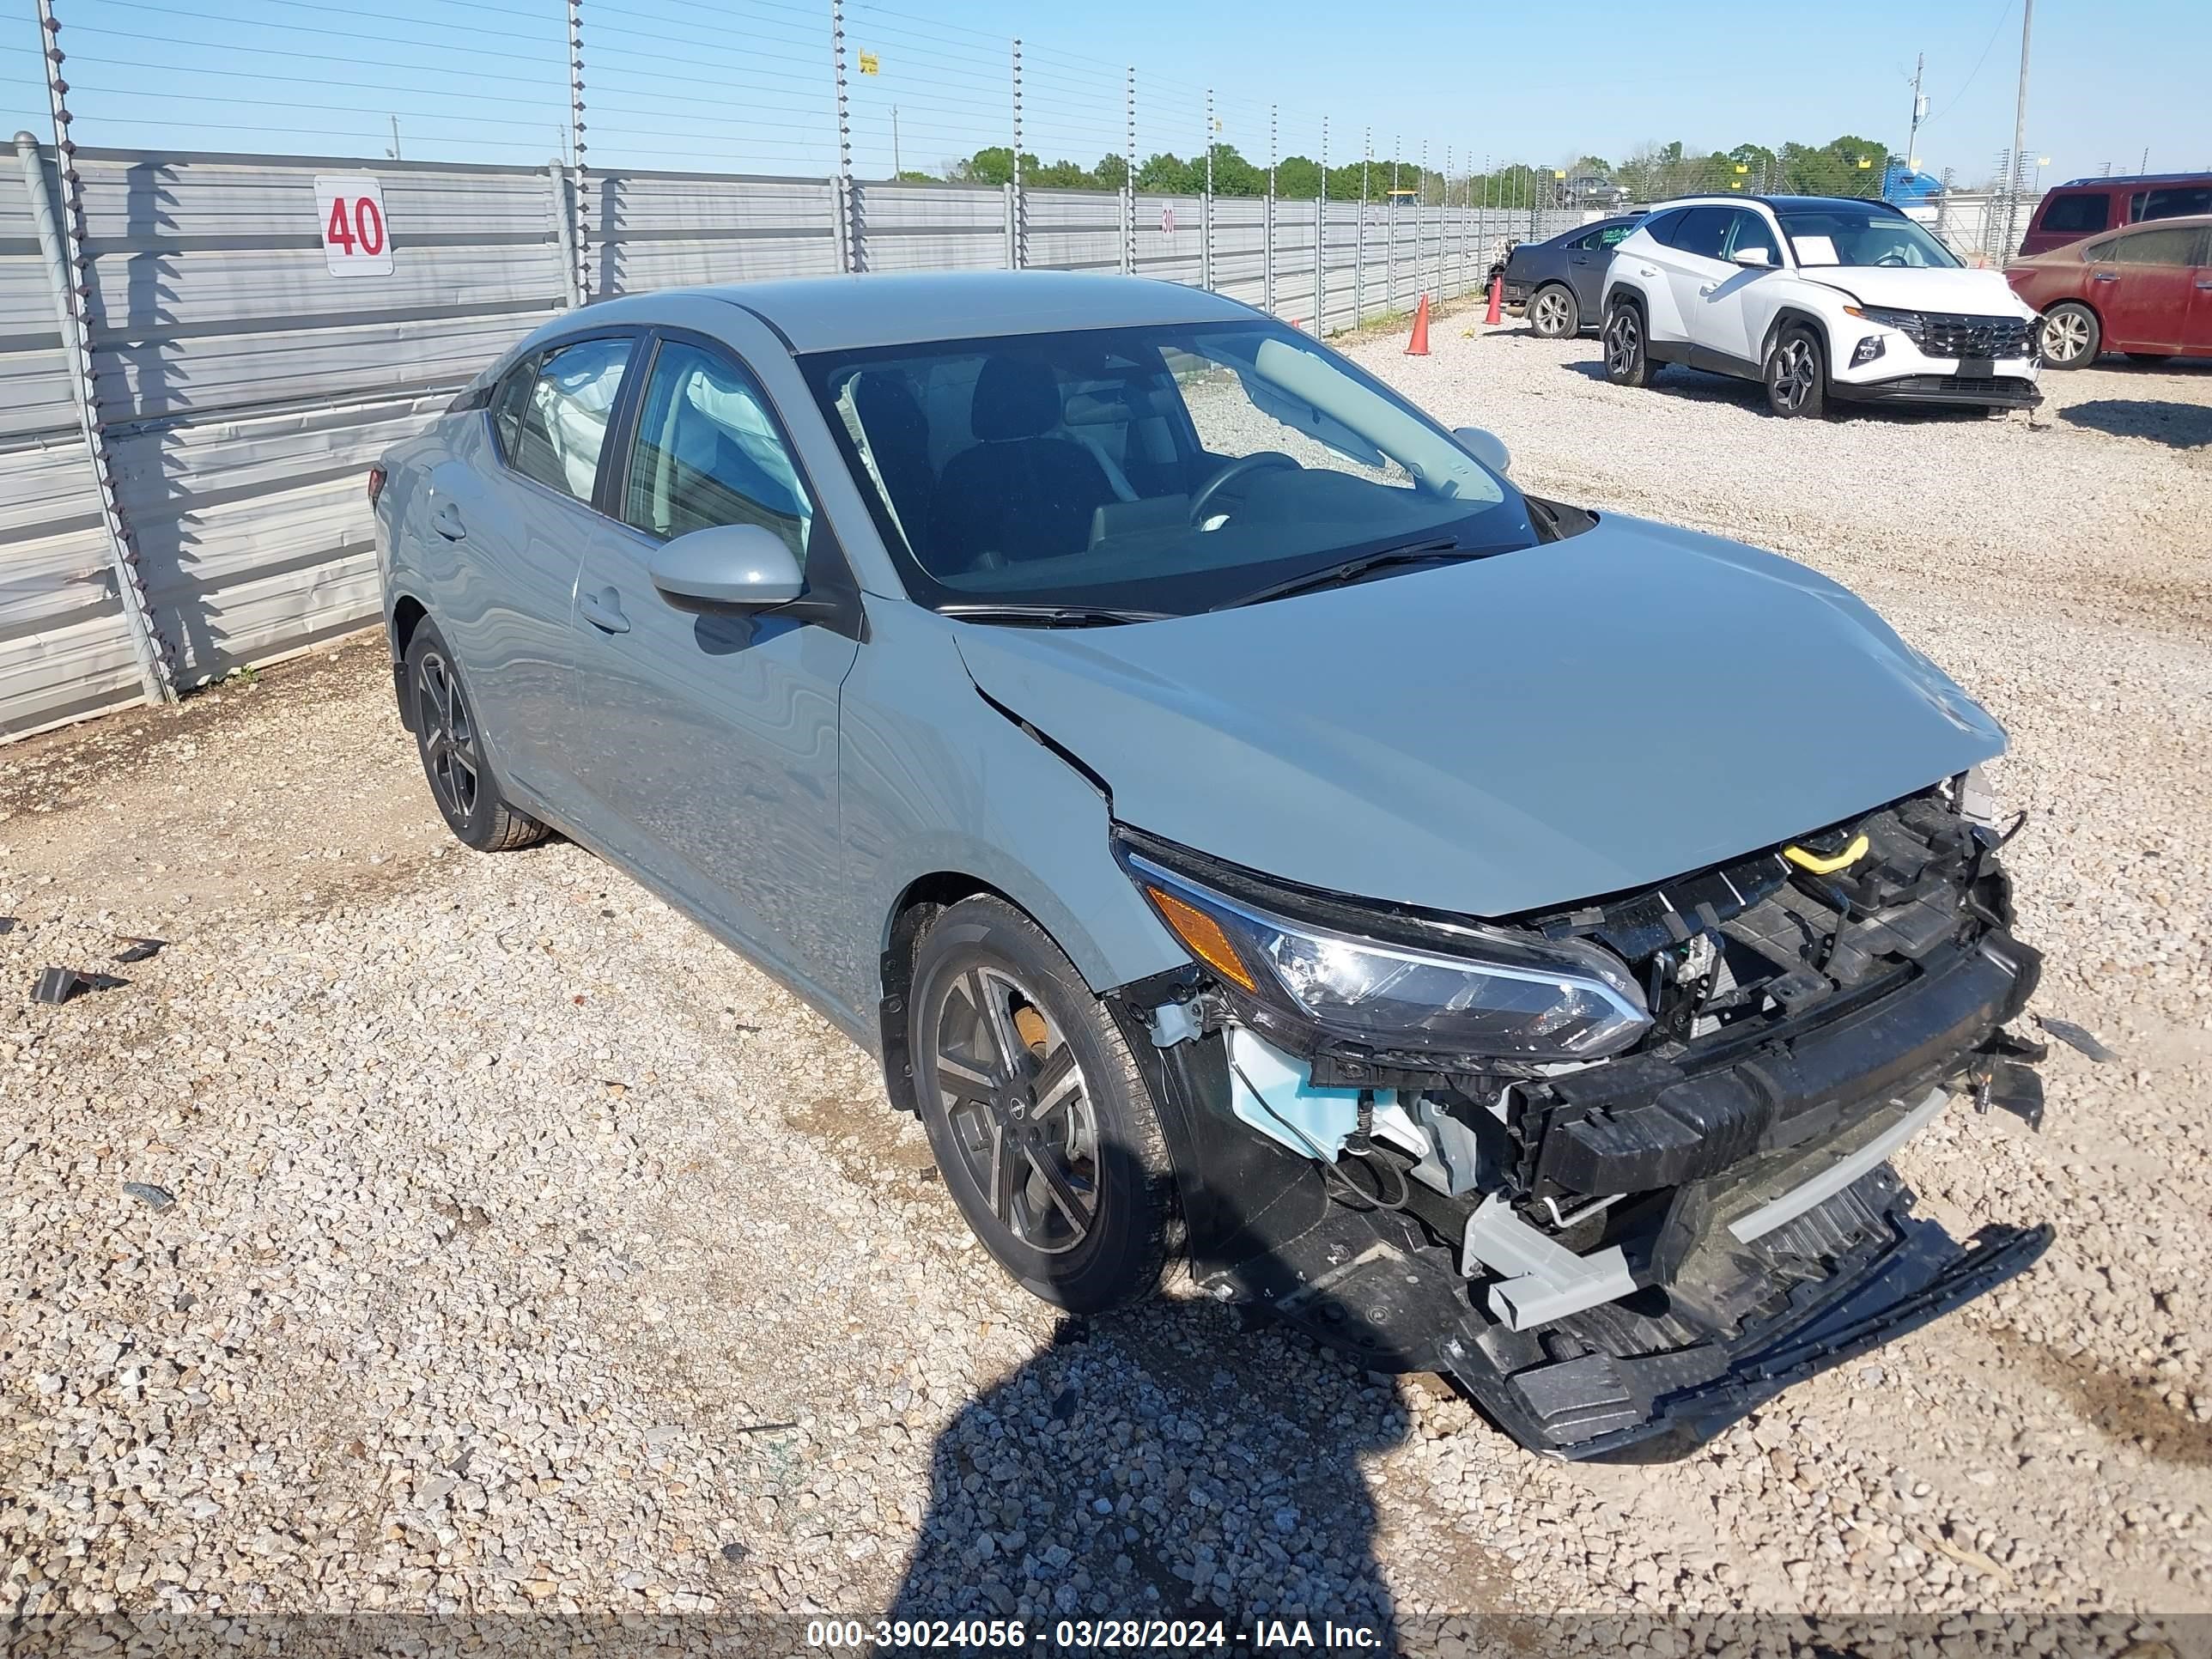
(2179, 426)
(1171, 1462)
(1697, 385)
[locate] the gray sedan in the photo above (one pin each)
(1255, 837)
(1561, 282)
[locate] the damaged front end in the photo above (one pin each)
(1622, 1169)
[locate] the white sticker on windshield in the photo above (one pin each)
(1815, 251)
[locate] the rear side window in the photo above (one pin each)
(1662, 226)
(551, 417)
(707, 452)
(2080, 215)
(2174, 201)
(1611, 236)
(2097, 252)
(2157, 247)
(1705, 232)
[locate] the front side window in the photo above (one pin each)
(551, 418)
(707, 452)
(2157, 247)
(1845, 234)
(1749, 230)
(2079, 216)
(1167, 468)
(2172, 202)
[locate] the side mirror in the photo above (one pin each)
(1485, 447)
(1756, 258)
(735, 567)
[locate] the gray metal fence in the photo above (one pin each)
(240, 390)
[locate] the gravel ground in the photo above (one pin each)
(432, 1231)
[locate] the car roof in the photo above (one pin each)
(1779, 204)
(837, 314)
(2119, 179)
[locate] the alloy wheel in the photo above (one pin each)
(1624, 343)
(1796, 370)
(449, 737)
(2065, 336)
(1019, 1108)
(1550, 312)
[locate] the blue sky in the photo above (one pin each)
(744, 84)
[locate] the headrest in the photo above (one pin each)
(1015, 398)
(887, 406)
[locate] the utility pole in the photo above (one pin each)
(1919, 114)
(2019, 124)
(895, 169)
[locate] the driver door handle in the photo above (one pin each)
(1645, 271)
(1706, 288)
(603, 610)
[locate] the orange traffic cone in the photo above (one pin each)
(1418, 345)
(1496, 313)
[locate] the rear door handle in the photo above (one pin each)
(2204, 281)
(603, 610)
(446, 521)
(2104, 276)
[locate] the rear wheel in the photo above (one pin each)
(1554, 313)
(450, 744)
(1797, 374)
(2071, 335)
(1035, 1110)
(1626, 361)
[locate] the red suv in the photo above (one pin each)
(2083, 207)
(2147, 291)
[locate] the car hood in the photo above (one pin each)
(1965, 293)
(1502, 735)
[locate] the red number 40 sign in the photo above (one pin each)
(354, 240)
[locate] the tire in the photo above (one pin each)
(2070, 335)
(1796, 374)
(1552, 312)
(1068, 1186)
(2148, 357)
(1627, 363)
(451, 745)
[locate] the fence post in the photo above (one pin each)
(1206, 206)
(60, 248)
(557, 179)
(1390, 234)
(1129, 178)
(1019, 253)
(1267, 226)
(579, 235)
(848, 229)
(1321, 242)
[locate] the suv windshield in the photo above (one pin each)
(1842, 235)
(1164, 470)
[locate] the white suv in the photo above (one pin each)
(1818, 297)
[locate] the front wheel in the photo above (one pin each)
(1554, 313)
(1626, 361)
(1797, 374)
(2071, 335)
(1035, 1110)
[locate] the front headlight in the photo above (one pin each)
(1473, 992)
(1912, 324)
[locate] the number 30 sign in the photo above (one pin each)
(350, 206)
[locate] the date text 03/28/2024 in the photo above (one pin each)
(1158, 1635)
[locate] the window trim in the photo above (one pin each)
(535, 356)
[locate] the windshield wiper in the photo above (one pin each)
(1050, 615)
(1437, 549)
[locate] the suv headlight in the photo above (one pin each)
(1423, 987)
(1912, 324)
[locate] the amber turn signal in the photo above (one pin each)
(1203, 934)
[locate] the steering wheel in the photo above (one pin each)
(1892, 258)
(1258, 461)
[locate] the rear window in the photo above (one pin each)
(2080, 215)
(2172, 201)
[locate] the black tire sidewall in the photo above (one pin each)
(1639, 372)
(1120, 1260)
(476, 829)
(1815, 400)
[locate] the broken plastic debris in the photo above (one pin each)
(2074, 1036)
(138, 949)
(154, 1198)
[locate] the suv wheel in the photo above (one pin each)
(2071, 338)
(1036, 1112)
(1797, 374)
(1626, 362)
(1554, 313)
(451, 743)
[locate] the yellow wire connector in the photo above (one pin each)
(1820, 866)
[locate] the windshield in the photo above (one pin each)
(1847, 235)
(1162, 469)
